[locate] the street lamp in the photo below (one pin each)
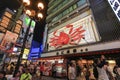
(18, 14)
(20, 10)
(26, 2)
(31, 14)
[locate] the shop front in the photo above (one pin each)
(54, 66)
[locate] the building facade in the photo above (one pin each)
(81, 27)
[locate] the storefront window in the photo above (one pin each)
(74, 6)
(65, 12)
(60, 5)
(56, 18)
(59, 16)
(81, 2)
(66, 1)
(71, 9)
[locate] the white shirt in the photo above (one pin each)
(102, 75)
(72, 71)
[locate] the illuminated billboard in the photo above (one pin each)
(26, 22)
(35, 51)
(5, 19)
(25, 54)
(79, 32)
(9, 38)
(18, 26)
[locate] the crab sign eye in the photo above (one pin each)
(72, 40)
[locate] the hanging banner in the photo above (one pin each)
(115, 4)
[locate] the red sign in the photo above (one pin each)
(72, 37)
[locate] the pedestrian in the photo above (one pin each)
(17, 76)
(82, 73)
(37, 75)
(26, 75)
(95, 71)
(71, 72)
(109, 71)
(101, 67)
(116, 71)
(2, 75)
(54, 70)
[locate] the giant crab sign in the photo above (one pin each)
(72, 37)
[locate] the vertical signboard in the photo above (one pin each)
(6, 18)
(18, 26)
(25, 54)
(26, 22)
(35, 50)
(115, 4)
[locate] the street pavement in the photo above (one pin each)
(51, 78)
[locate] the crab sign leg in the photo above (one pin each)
(76, 30)
(76, 40)
(77, 33)
(56, 38)
(58, 46)
(55, 33)
(71, 28)
(53, 40)
(53, 44)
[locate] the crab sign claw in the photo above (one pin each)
(55, 33)
(71, 28)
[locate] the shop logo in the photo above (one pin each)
(115, 4)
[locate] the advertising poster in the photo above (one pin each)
(25, 54)
(9, 38)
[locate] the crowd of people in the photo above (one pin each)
(76, 70)
(25, 72)
(28, 71)
(99, 70)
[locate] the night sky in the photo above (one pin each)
(40, 25)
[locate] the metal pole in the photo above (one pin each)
(16, 16)
(22, 49)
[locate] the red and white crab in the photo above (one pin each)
(72, 37)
